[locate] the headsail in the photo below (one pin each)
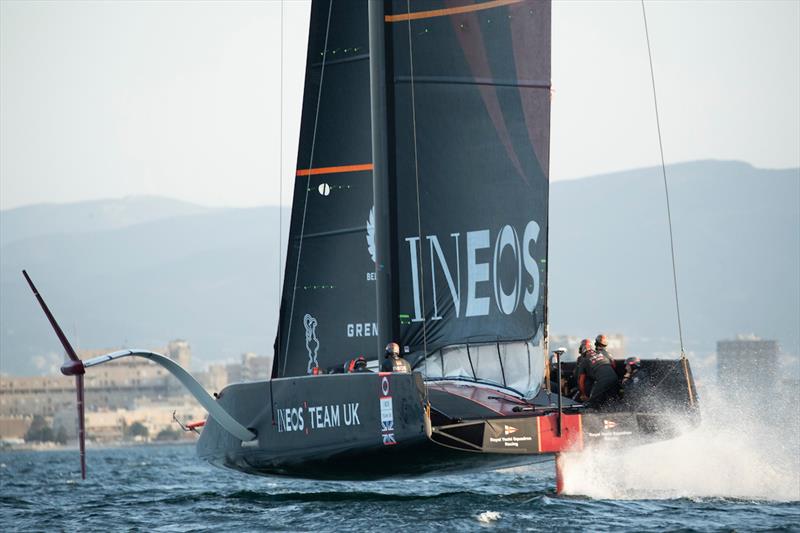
(328, 303)
(471, 114)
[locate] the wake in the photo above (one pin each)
(738, 451)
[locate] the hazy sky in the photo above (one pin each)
(108, 99)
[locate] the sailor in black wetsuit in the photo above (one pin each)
(392, 362)
(600, 369)
(635, 384)
(601, 345)
(573, 391)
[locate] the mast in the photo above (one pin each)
(386, 296)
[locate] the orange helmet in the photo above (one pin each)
(601, 340)
(586, 344)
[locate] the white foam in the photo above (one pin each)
(489, 516)
(738, 451)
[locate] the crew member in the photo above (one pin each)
(359, 364)
(598, 368)
(392, 362)
(600, 345)
(573, 391)
(635, 384)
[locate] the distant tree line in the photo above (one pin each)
(40, 431)
(137, 429)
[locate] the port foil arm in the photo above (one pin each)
(214, 409)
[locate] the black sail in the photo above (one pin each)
(328, 302)
(471, 117)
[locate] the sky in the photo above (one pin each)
(200, 101)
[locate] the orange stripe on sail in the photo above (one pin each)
(449, 11)
(333, 170)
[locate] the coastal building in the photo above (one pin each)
(214, 378)
(747, 363)
(117, 385)
(255, 367)
(116, 393)
(108, 425)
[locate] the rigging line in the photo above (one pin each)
(416, 178)
(308, 183)
(666, 188)
(280, 211)
(280, 186)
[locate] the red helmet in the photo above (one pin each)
(586, 344)
(601, 340)
(633, 362)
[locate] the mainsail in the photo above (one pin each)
(468, 112)
(471, 127)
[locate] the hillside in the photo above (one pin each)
(212, 276)
(737, 247)
(48, 219)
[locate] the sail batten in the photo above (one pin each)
(531, 84)
(334, 169)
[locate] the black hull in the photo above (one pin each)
(404, 461)
(371, 426)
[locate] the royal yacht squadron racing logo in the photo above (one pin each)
(312, 343)
(509, 430)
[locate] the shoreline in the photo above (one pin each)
(52, 447)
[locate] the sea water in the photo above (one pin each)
(738, 471)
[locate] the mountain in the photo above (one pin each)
(211, 278)
(737, 249)
(47, 219)
(212, 275)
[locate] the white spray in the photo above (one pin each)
(739, 450)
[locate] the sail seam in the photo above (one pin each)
(308, 181)
(344, 231)
(449, 80)
(334, 62)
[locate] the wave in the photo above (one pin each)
(322, 496)
(741, 451)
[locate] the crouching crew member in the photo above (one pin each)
(392, 362)
(598, 368)
(359, 364)
(635, 383)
